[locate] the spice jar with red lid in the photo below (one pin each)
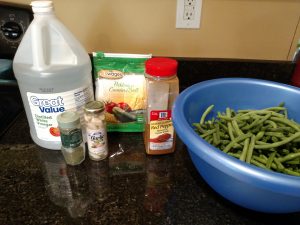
(162, 87)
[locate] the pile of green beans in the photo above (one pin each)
(266, 138)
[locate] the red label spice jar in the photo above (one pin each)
(162, 87)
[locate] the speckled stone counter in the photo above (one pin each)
(37, 187)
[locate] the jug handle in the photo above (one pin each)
(39, 61)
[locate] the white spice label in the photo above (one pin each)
(97, 142)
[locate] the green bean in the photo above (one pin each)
(270, 160)
(206, 112)
(293, 162)
(218, 133)
(207, 133)
(228, 112)
(216, 138)
(288, 157)
(237, 140)
(287, 122)
(230, 131)
(199, 128)
(236, 127)
(257, 129)
(223, 135)
(229, 125)
(281, 129)
(274, 139)
(279, 143)
(284, 151)
(253, 161)
(209, 139)
(250, 150)
(272, 123)
(258, 121)
(275, 134)
(225, 118)
(263, 112)
(241, 123)
(264, 162)
(224, 142)
(236, 155)
(257, 163)
(291, 172)
(245, 149)
(262, 156)
(261, 143)
(224, 127)
(265, 138)
(260, 159)
(276, 109)
(259, 135)
(280, 167)
(296, 140)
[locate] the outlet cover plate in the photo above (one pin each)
(188, 14)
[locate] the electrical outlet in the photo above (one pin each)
(189, 10)
(188, 14)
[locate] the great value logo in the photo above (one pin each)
(54, 105)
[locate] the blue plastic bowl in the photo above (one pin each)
(241, 183)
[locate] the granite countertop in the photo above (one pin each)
(37, 187)
(129, 187)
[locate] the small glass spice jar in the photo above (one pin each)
(73, 148)
(95, 124)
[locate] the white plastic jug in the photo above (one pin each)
(53, 72)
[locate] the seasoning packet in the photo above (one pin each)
(120, 84)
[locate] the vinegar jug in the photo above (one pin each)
(53, 72)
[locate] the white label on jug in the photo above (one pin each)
(46, 107)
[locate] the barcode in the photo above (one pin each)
(163, 115)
